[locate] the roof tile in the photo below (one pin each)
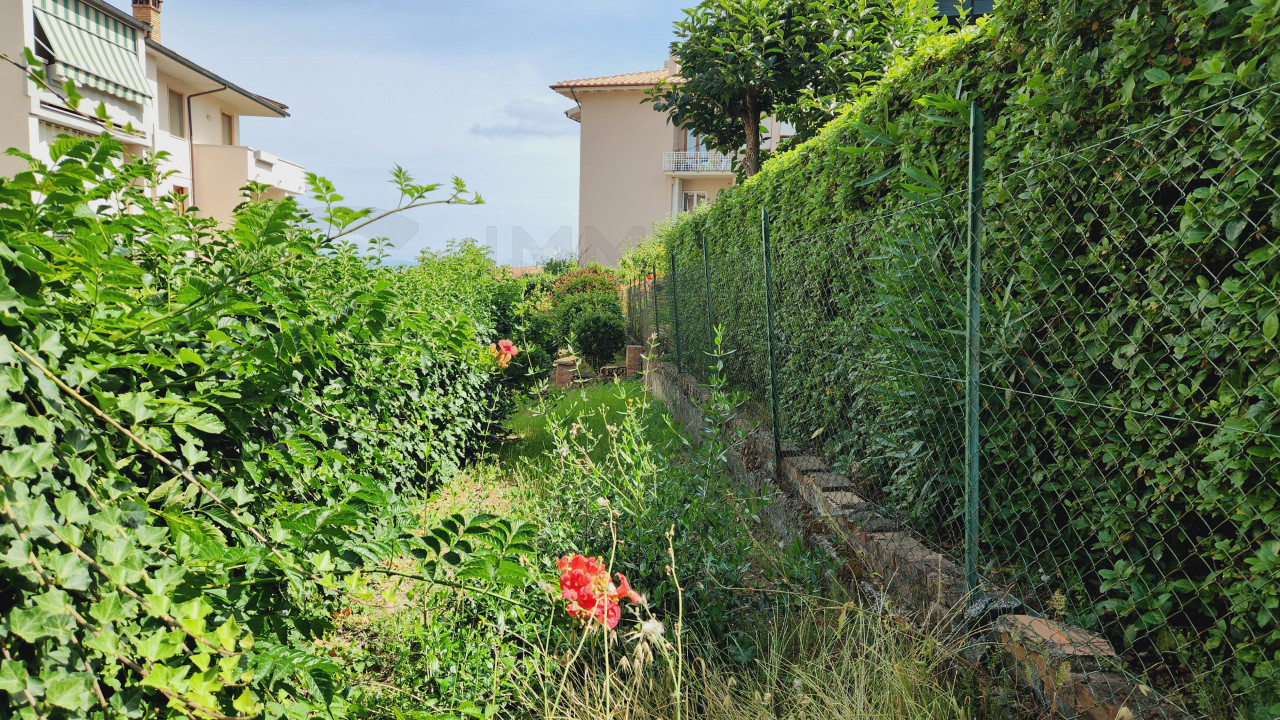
(644, 78)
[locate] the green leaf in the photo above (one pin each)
(13, 677)
(73, 691)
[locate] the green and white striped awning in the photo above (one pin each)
(93, 48)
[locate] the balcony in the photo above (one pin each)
(221, 170)
(679, 163)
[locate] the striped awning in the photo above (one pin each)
(94, 49)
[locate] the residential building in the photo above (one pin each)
(959, 12)
(636, 168)
(172, 103)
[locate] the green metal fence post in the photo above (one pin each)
(773, 362)
(653, 288)
(977, 140)
(675, 310)
(711, 313)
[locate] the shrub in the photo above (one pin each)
(567, 312)
(1139, 274)
(463, 277)
(209, 438)
(588, 280)
(558, 265)
(645, 258)
(600, 335)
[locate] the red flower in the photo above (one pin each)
(504, 350)
(624, 590)
(589, 594)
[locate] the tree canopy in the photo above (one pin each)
(741, 60)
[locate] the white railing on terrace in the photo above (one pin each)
(709, 161)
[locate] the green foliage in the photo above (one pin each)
(740, 60)
(599, 335)
(558, 265)
(452, 652)
(613, 442)
(575, 306)
(645, 258)
(590, 281)
(211, 438)
(1128, 427)
(464, 279)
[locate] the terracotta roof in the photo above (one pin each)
(637, 79)
(524, 270)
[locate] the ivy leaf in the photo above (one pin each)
(71, 571)
(71, 691)
(13, 677)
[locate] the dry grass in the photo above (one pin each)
(841, 663)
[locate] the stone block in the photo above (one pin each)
(829, 481)
(635, 360)
(565, 370)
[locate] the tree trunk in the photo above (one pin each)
(751, 152)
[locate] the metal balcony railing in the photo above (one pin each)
(707, 161)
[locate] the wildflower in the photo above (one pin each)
(588, 592)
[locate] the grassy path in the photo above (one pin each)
(603, 472)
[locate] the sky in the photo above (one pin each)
(443, 89)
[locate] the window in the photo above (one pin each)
(694, 143)
(694, 200)
(228, 129)
(786, 131)
(177, 115)
(181, 199)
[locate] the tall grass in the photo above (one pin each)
(742, 630)
(816, 663)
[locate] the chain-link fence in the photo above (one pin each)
(1119, 472)
(647, 301)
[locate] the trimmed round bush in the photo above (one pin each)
(573, 307)
(600, 336)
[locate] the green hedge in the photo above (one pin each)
(208, 439)
(1130, 381)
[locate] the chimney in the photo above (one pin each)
(148, 11)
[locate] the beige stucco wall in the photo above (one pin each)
(622, 188)
(221, 170)
(15, 105)
(206, 126)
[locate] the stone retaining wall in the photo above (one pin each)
(1068, 669)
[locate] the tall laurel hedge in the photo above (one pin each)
(1129, 410)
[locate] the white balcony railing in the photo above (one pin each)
(696, 162)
